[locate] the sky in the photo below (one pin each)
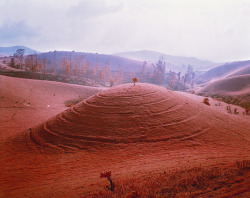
(215, 30)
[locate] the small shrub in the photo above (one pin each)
(107, 174)
(206, 101)
(72, 102)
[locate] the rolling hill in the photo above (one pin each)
(11, 50)
(121, 115)
(116, 63)
(230, 87)
(223, 71)
(236, 85)
(241, 71)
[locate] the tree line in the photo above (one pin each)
(78, 66)
(158, 74)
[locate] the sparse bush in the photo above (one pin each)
(206, 101)
(242, 101)
(72, 102)
(107, 174)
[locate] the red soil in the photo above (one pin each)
(25, 103)
(130, 130)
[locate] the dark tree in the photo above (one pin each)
(12, 63)
(159, 71)
(19, 54)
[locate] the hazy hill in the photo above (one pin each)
(224, 71)
(176, 63)
(229, 86)
(3, 55)
(241, 71)
(237, 86)
(115, 62)
(11, 50)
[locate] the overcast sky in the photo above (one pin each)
(216, 30)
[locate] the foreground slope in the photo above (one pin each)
(131, 130)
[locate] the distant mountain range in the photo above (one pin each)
(173, 62)
(9, 51)
(133, 61)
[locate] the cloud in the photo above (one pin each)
(215, 30)
(93, 8)
(17, 30)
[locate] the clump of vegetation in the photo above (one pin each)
(12, 63)
(206, 101)
(111, 82)
(246, 112)
(183, 183)
(242, 101)
(107, 174)
(72, 102)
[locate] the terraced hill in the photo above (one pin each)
(131, 114)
